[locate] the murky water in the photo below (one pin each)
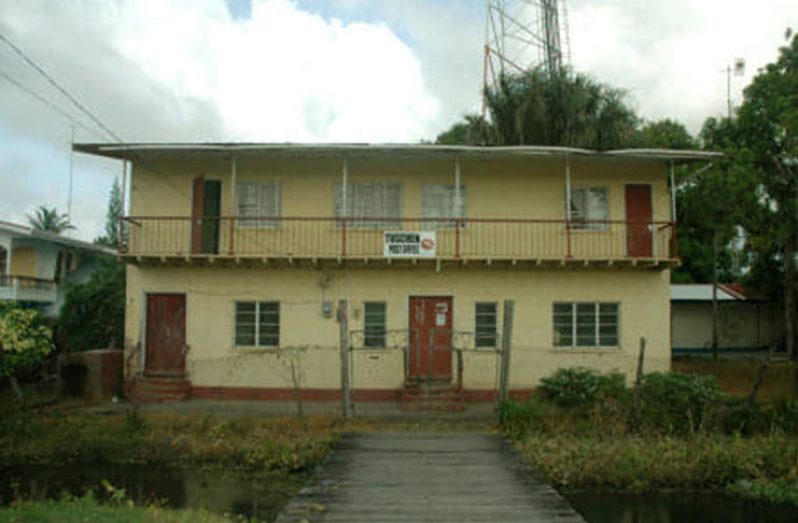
(218, 490)
(677, 507)
(263, 495)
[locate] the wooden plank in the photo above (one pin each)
(426, 477)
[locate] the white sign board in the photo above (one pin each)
(409, 244)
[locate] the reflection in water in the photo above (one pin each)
(677, 507)
(218, 490)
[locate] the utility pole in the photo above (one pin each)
(71, 173)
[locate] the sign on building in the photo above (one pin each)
(409, 244)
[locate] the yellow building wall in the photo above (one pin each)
(309, 356)
(23, 262)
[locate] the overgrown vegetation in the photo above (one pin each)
(25, 343)
(93, 315)
(674, 430)
(283, 444)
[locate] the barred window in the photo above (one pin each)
(585, 324)
(441, 201)
(374, 324)
(258, 323)
(258, 204)
(366, 201)
(589, 208)
(486, 324)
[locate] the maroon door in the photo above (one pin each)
(430, 327)
(638, 221)
(197, 211)
(166, 334)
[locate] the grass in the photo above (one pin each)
(737, 377)
(88, 510)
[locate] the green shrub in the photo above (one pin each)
(672, 403)
(579, 386)
(519, 418)
(25, 342)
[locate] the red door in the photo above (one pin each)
(197, 211)
(166, 334)
(430, 327)
(638, 221)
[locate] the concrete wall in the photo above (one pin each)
(743, 326)
(310, 340)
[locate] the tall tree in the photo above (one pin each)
(48, 220)
(110, 237)
(665, 134)
(536, 108)
(768, 127)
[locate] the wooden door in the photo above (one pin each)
(638, 221)
(430, 325)
(205, 214)
(166, 335)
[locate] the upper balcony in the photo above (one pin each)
(503, 242)
(26, 289)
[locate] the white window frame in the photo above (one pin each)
(263, 218)
(384, 325)
(257, 341)
(455, 205)
(356, 219)
(580, 219)
(495, 324)
(597, 319)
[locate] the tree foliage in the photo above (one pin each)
(49, 220)
(25, 342)
(110, 237)
(93, 315)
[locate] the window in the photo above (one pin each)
(370, 200)
(589, 204)
(585, 324)
(374, 324)
(258, 323)
(256, 203)
(440, 201)
(485, 322)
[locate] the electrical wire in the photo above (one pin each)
(60, 89)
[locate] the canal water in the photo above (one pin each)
(263, 495)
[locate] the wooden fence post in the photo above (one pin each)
(343, 324)
(640, 357)
(507, 334)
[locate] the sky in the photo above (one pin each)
(319, 71)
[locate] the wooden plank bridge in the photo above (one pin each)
(432, 477)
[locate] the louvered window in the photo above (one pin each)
(589, 208)
(442, 202)
(257, 323)
(370, 205)
(586, 324)
(258, 204)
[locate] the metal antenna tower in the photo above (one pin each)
(521, 35)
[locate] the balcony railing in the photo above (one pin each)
(24, 288)
(364, 238)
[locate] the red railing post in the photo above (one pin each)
(457, 224)
(231, 248)
(568, 237)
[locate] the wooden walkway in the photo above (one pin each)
(426, 477)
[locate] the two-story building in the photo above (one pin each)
(241, 255)
(35, 265)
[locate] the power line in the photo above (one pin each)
(62, 90)
(70, 117)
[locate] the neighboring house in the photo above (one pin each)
(34, 265)
(239, 252)
(747, 324)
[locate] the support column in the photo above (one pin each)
(233, 204)
(568, 204)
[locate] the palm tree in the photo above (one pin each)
(48, 220)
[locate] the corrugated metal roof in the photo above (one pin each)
(702, 292)
(133, 151)
(17, 230)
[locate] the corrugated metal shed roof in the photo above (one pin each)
(133, 151)
(703, 292)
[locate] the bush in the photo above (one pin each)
(25, 342)
(93, 315)
(579, 386)
(517, 418)
(673, 403)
